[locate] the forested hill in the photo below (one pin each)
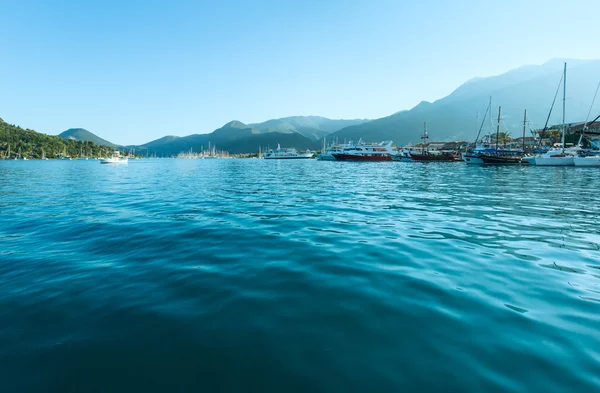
(31, 144)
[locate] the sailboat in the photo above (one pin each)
(589, 159)
(473, 156)
(499, 156)
(426, 155)
(558, 157)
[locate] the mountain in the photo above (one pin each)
(454, 116)
(234, 137)
(312, 127)
(81, 134)
(31, 144)
(301, 132)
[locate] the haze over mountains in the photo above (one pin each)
(453, 117)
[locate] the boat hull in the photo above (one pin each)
(587, 161)
(528, 160)
(432, 157)
(401, 158)
(288, 158)
(499, 160)
(325, 157)
(554, 161)
(472, 159)
(355, 157)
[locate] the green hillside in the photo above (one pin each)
(81, 134)
(31, 144)
(234, 137)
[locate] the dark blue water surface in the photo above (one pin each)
(298, 276)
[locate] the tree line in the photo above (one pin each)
(16, 142)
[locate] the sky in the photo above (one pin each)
(134, 71)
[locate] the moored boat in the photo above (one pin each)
(587, 161)
(558, 157)
(366, 152)
(286, 154)
(426, 155)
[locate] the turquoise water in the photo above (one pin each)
(298, 276)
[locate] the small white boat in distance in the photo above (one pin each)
(286, 154)
(115, 159)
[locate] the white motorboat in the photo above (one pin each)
(115, 159)
(587, 161)
(286, 154)
(366, 152)
(554, 158)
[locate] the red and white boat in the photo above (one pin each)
(366, 152)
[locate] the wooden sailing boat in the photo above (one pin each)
(426, 155)
(502, 157)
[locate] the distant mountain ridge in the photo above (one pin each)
(454, 117)
(457, 116)
(81, 134)
(301, 132)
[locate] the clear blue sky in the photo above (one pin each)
(133, 71)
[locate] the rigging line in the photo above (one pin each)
(591, 106)
(550, 113)
(482, 122)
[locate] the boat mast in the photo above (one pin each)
(524, 123)
(564, 128)
(498, 127)
(425, 148)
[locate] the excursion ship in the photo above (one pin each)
(286, 154)
(366, 152)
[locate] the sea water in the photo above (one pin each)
(298, 276)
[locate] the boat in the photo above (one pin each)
(558, 157)
(426, 155)
(587, 161)
(404, 155)
(115, 159)
(366, 152)
(329, 151)
(473, 156)
(502, 156)
(286, 154)
(589, 158)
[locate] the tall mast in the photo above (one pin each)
(498, 127)
(564, 127)
(490, 106)
(424, 137)
(524, 123)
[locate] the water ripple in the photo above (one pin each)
(253, 275)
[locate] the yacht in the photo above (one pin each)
(286, 154)
(366, 152)
(587, 161)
